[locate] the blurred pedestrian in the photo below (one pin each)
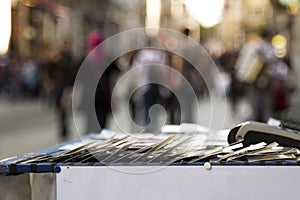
(194, 78)
(14, 74)
(59, 73)
(235, 88)
(258, 66)
(30, 77)
(45, 61)
(281, 87)
(102, 97)
(148, 62)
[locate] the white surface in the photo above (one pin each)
(179, 182)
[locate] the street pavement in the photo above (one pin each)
(29, 126)
(26, 126)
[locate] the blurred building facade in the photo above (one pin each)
(40, 23)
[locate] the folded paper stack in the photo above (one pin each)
(120, 149)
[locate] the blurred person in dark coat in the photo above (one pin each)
(193, 76)
(102, 97)
(59, 70)
(148, 62)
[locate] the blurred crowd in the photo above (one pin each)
(32, 78)
(48, 78)
(19, 78)
(254, 73)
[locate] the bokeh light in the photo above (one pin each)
(207, 13)
(5, 21)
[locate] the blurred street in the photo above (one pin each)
(73, 68)
(26, 127)
(31, 126)
(246, 50)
